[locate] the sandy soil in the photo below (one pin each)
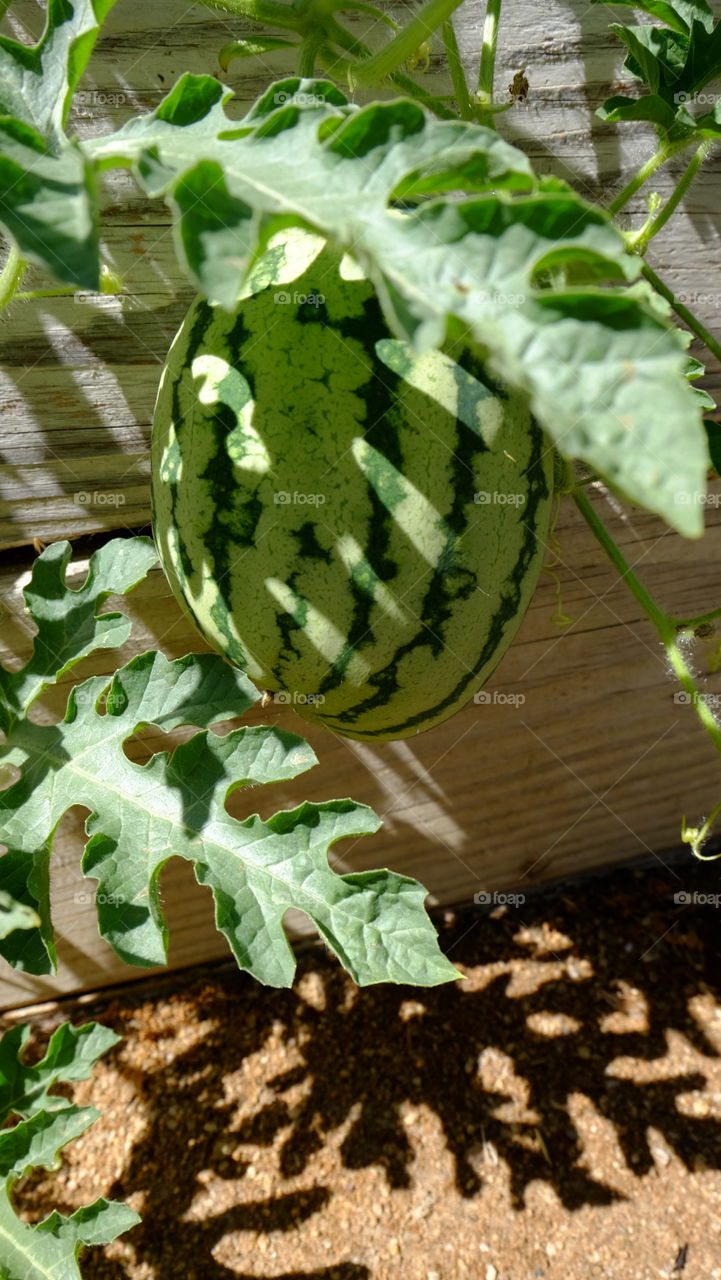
(556, 1114)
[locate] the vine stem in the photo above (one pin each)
(697, 838)
(289, 18)
(638, 243)
(307, 56)
(664, 624)
(380, 65)
(11, 276)
(340, 67)
(487, 70)
(361, 7)
(682, 311)
(458, 75)
(653, 163)
(690, 624)
(280, 15)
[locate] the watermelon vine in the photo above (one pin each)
(470, 308)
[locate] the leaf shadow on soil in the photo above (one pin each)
(615, 965)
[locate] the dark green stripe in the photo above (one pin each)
(449, 582)
(235, 516)
(201, 318)
(380, 395)
(287, 624)
(309, 548)
(539, 492)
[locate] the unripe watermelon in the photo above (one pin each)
(350, 523)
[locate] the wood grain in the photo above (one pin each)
(581, 756)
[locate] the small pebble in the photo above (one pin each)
(661, 1156)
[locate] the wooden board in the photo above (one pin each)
(78, 377)
(581, 756)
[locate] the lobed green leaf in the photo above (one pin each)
(49, 1250)
(526, 270)
(675, 62)
(71, 1055)
(174, 806)
(48, 202)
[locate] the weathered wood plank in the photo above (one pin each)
(596, 764)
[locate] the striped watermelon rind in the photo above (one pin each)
(348, 522)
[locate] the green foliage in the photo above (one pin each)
(47, 1122)
(534, 273)
(675, 63)
(47, 197)
(462, 241)
(15, 915)
(251, 47)
(528, 267)
(174, 806)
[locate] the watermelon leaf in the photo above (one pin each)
(674, 62)
(69, 623)
(47, 192)
(37, 82)
(70, 1055)
(679, 15)
(526, 267)
(141, 815)
(50, 1248)
(15, 915)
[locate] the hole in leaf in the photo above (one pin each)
(9, 775)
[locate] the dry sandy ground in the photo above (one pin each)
(554, 1115)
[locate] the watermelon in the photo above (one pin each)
(358, 527)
